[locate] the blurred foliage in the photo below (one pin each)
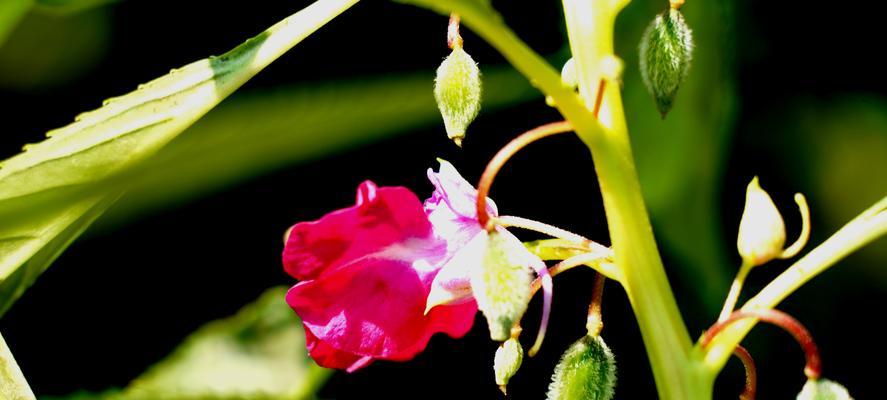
(10, 13)
(257, 354)
(681, 159)
(260, 131)
(48, 49)
(54, 189)
(836, 151)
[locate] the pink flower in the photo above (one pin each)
(367, 272)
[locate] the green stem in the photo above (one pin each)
(13, 385)
(865, 228)
(590, 26)
(591, 31)
(735, 290)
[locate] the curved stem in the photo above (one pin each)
(508, 221)
(735, 290)
(499, 160)
(751, 373)
(865, 228)
(595, 322)
(814, 363)
(799, 244)
(454, 39)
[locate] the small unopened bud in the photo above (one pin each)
(761, 230)
(587, 371)
(823, 389)
(501, 286)
(509, 357)
(457, 89)
(568, 74)
(665, 53)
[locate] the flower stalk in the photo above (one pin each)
(813, 369)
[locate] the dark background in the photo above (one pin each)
(123, 296)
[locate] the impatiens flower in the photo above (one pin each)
(367, 272)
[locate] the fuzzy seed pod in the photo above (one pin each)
(587, 371)
(509, 357)
(823, 389)
(665, 54)
(501, 286)
(457, 89)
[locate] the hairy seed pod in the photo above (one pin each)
(587, 371)
(665, 54)
(501, 286)
(507, 361)
(823, 389)
(457, 89)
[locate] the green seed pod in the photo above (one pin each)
(457, 89)
(587, 371)
(501, 286)
(509, 357)
(665, 53)
(823, 389)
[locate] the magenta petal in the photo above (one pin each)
(329, 357)
(382, 217)
(376, 308)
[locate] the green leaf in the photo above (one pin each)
(259, 353)
(13, 385)
(52, 191)
(11, 11)
(70, 6)
(447, 6)
(297, 124)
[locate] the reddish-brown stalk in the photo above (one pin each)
(813, 369)
(454, 39)
(751, 373)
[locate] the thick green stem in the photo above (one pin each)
(13, 385)
(591, 31)
(870, 225)
(590, 26)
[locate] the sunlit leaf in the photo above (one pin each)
(67, 176)
(12, 383)
(259, 353)
(257, 132)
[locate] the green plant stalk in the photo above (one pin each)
(13, 385)
(590, 26)
(865, 228)
(678, 374)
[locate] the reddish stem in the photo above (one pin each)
(454, 39)
(751, 373)
(600, 97)
(499, 160)
(595, 323)
(813, 369)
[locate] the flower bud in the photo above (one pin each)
(457, 89)
(665, 54)
(501, 285)
(823, 389)
(587, 371)
(568, 74)
(761, 230)
(509, 357)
